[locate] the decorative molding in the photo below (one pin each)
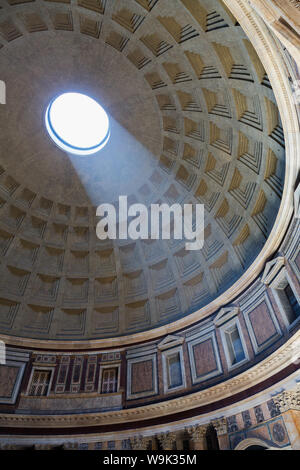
(16, 359)
(197, 433)
(261, 301)
(271, 270)
(225, 328)
(288, 400)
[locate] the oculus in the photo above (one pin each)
(77, 123)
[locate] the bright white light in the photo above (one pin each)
(77, 123)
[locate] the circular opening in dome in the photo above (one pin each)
(77, 123)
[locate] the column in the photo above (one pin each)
(220, 426)
(198, 437)
(167, 440)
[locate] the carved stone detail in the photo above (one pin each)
(295, 3)
(70, 445)
(167, 440)
(220, 426)
(139, 442)
(197, 432)
(288, 400)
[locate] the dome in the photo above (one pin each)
(193, 120)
